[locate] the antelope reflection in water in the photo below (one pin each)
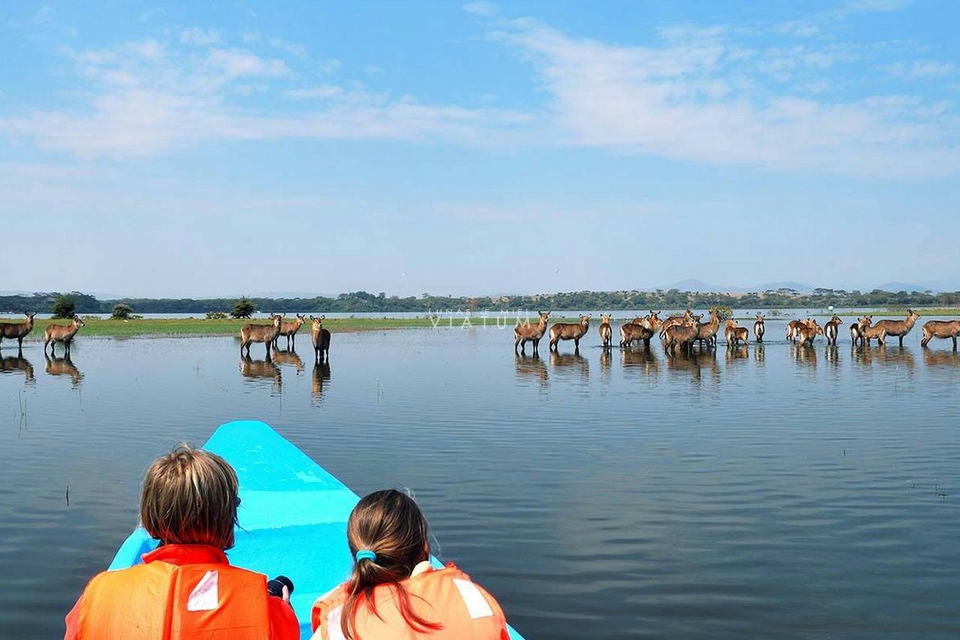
(936, 358)
(531, 368)
(805, 354)
(758, 354)
(694, 364)
(568, 363)
(885, 356)
(321, 376)
(642, 359)
(266, 369)
(18, 364)
(737, 353)
(832, 354)
(63, 367)
(288, 357)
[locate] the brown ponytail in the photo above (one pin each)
(390, 524)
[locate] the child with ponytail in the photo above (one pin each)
(394, 592)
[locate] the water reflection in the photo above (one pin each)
(758, 353)
(832, 354)
(737, 354)
(260, 369)
(570, 363)
(19, 364)
(606, 360)
(941, 358)
(694, 364)
(321, 376)
(804, 354)
(63, 367)
(288, 358)
(885, 356)
(531, 368)
(642, 359)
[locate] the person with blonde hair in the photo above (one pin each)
(185, 588)
(394, 591)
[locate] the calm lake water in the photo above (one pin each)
(766, 491)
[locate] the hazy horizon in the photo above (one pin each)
(184, 150)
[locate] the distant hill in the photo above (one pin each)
(902, 286)
(699, 285)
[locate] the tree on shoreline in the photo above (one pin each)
(63, 307)
(243, 308)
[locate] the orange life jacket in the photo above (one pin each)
(163, 601)
(445, 596)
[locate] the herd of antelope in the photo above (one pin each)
(684, 331)
(268, 334)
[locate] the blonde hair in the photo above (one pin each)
(189, 496)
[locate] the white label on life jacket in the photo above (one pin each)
(477, 605)
(205, 596)
(334, 632)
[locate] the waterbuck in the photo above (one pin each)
(265, 333)
(940, 329)
(569, 331)
(526, 331)
(321, 340)
(682, 335)
(856, 330)
(18, 330)
(793, 328)
(61, 333)
(289, 329)
(640, 329)
(758, 327)
(807, 332)
(734, 333)
(868, 332)
(831, 329)
(606, 333)
(708, 330)
(899, 328)
(674, 320)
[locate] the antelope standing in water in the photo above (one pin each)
(61, 333)
(606, 332)
(640, 329)
(899, 328)
(321, 340)
(758, 327)
(868, 332)
(734, 333)
(831, 330)
(940, 329)
(265, 333)
(16, 330)
(856, 330)
(569, 331)
(527, 331)
(708, 330)
(289, 329)
(673, 321)
(682, 335)
(807, 332)
(794, 326)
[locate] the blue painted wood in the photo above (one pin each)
(293, 515)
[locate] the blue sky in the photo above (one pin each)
(481, 148)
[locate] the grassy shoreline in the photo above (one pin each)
(197, 327)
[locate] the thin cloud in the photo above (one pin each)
(199, 37)
(680, 101)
